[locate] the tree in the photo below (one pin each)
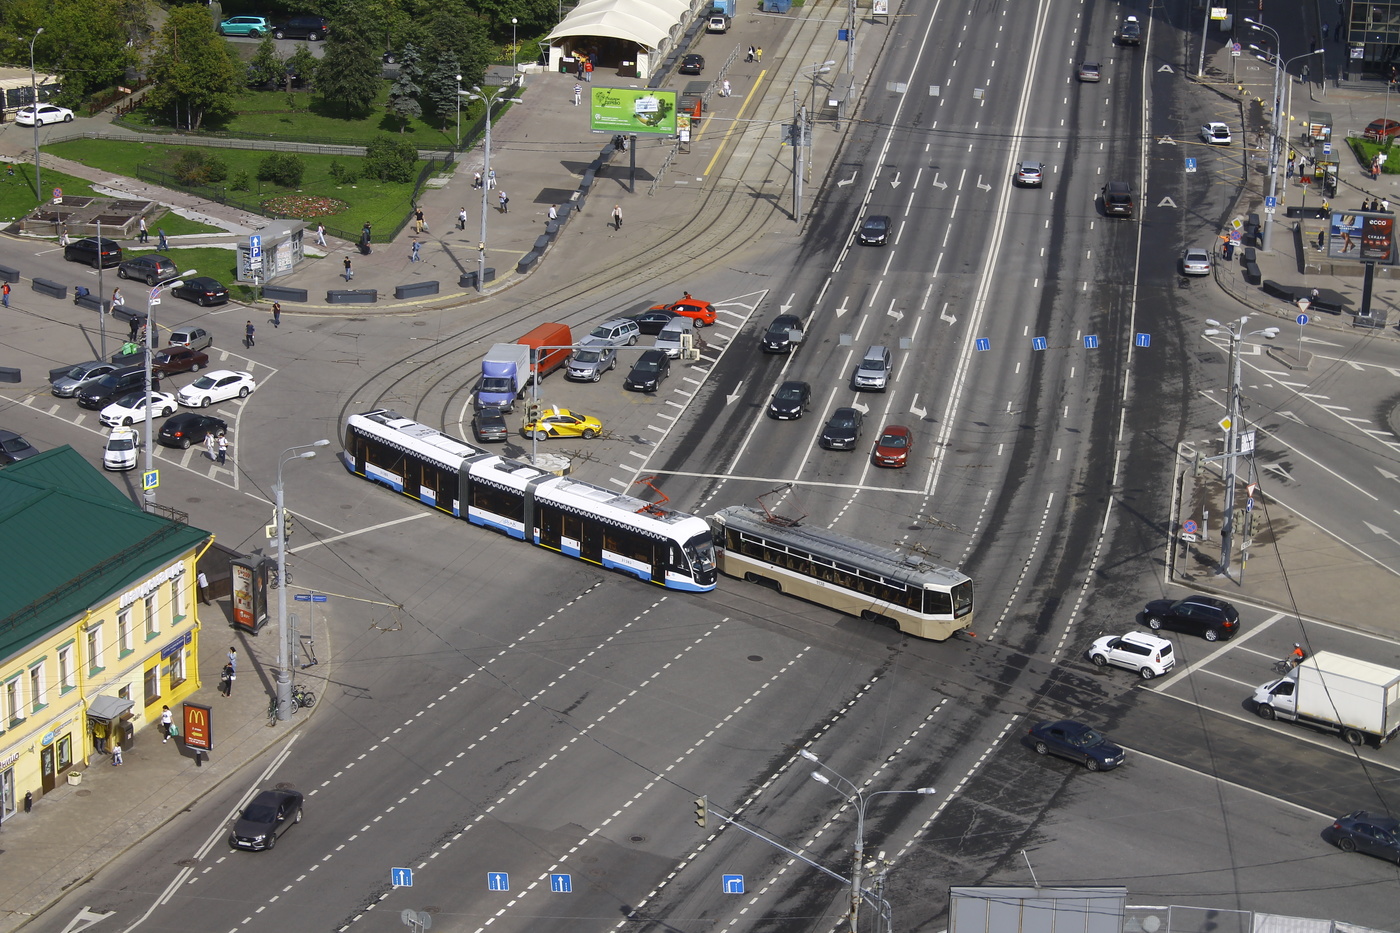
(440, 89)
(195, 72)
(465, 38)
(303, 64)
(84, 41)
(267, 67)
(403, 101)
(350, 72)
(390, 159)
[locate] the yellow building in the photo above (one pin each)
(98, 621)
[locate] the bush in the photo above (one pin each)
(196, 167)
(282, 168)
(390, 159)
(343, 174)
(241, 182)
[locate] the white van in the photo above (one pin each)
(669, 340)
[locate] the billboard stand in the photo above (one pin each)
(1364, 317)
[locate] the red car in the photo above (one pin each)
(1378, 131)
(173, 360)
(701, 311)
(892, 449)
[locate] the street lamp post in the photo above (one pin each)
(459, 112)
(284, 635)
(476, 93)
(514, 49)
(152, 299)
(817, 69)
(34, 105)
(862, 801)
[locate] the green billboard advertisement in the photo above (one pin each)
(632, 110)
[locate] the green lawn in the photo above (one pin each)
(384, 204)
(17, 191)
(1366, 151)
(217, 263)
(175, 225)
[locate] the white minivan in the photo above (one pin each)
(669, 340)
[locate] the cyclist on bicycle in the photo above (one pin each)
(1298, 654)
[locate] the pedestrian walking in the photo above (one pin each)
(133, 326)
(617, 216)
(1321, 238)
(588, 70)
(419, 224)
(116, 753)
(161, 244)
(490, 179)
(1385, 205)
(578, 94)
(413, 256)
(5, 294)
(462, 214)
(226, 682)
(63, 236)
(248, 335)
(724, 89)
(553, 212)
(476, 180)
(211, 444)
(578, 62)
(145, 234)
(223, 449)
(758, 55)
(505, 203)
(202, 582)
(233, 658)
(167, 724)
(349, 273)
(277, 314)
(749, 56)
(320, 234)
(366, 234)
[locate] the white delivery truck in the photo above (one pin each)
(1359, 699)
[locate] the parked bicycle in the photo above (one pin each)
(302, 697)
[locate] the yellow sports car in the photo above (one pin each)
(560, 422)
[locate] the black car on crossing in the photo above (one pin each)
(1075, 741)
(1212, 618)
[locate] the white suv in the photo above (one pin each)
(619, 332)
(1147, 654)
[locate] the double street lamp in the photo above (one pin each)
(284, 634)
(476, 93)
(34, 108)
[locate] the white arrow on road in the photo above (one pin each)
(945, 316)
(1291, 417)
(895, 313)
(861, 407)
(787, 305)
(1381, 531)
(914, 407)
(1166, 141)
(731, 399)
(981, 184)
(940, 185)
(1388, 475)
(894, 183)
(848, 181)
(843, 309)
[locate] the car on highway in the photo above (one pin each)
(67, 385)
(106, 253)
(131, 408)
(151, 268)
(217, 386)
(692, 64)
(120, 450)
(873, 371)
(875, 230)
(702, 312)
(1118, 199)
(1368, 833)
(1195, 261)
(202, 290)
(783, 334)
(587, 364)
(647, 374)
(1090, 72)
(1217, 134)
(1030, 174)
(792, 399)
(893, 446)
(189, 428)
(1076, 742)
(270, 811)
(842, 429)
(48, 113)
(1208, 616)
(561, 422)
(173, 360)
(619, 332)
(1147, 654)
(489, 424)
(310, 28)
(14, 448)
(1130, 32)
(652, 322)
(254, 27)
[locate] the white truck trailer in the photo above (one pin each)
(1359, 699)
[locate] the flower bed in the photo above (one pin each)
(303, 206)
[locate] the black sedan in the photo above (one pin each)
(488, 424)
(14, 448)
(875, 231)
(1211, 618)
(784, 333)
(842, 429)
(270, 810)
(650, 370)
(692, 64)
(790, 401)
(1077, 742)
(202, 290)
(652, 322)
(1370, 833)
(188, 428)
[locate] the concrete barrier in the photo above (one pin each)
(1252, 275)
(527, 262)
(468, 279)
(9, 275)
(1326, 307)
(50, 288)
(284, 293)
(342, 296)
(127, 315)
(8, 374)
(542, 242)
(91, 302)
(416, 289)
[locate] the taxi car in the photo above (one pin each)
(120, 451)
(561, 422)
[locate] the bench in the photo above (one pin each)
(1250, 255)
(416, 289)
(468, 279)
(49, 287)
(127, 315)
(283, 293)
(9, 374)
(9, 275)
(1252, 275)
(527, 262)
(1326, 307)
(90, 302)
(341, 296)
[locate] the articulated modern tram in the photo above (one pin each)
(583, 521)
(844, 573)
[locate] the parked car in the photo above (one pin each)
(1030, 174)
(202, 290)
(189, 428)
(196, 338)
(254, 27)
(1370, 833)
(67, 386)
(589, 363)
(217, 386)
(692, 64)
(1208, 616)
(1090, 72)
(875, 231)
(619, 332)
(131, 408)
(1077, 742)
(173, 360)
(14, 448)
(783, 334)
(1147, 654)
(151, 268)
(260, 821)
(1216, 134)
(717, 23)
(842, 429)
(650, 370)
(1381, 130)
(791, 401)
(701, 311)
(120, 450)
(892, 449)
(652, 322)
(105, 254)
(311, 28)
(489, 424)
(1195, 261)
(561, 422)
(48, 113)
(674, 334)
(102, 392)
(873, 370)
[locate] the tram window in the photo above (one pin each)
(498, 501)
(937, 603)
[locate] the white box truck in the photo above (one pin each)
(1358, 699)
(505, 374)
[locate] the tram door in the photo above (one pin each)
(591, 548)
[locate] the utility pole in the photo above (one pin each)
(799, 139)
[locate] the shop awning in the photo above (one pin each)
(108, 708)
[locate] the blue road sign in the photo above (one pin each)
(1270, 202)
(497, 881)
(1302, 319)
(1326, 148)
(1249, 504)
(401, 877)
(1190, 527)
(1142, 340)
(1091, 341)
(733, 884)
(1190, 165)
(255, 247)
(561, 884)
(983, 343)
(150, 479)
(1039, 343)
(309, 597)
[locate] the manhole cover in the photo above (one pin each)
(637, 839)
(755, 657)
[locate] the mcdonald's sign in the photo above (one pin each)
(199, 727)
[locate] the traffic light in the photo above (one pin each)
(532, 411)
(287, 526)
(702, 806)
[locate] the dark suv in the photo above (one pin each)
(89, 250)
(114, 385)
(151, 268)
(311, 28)
(1118, 199)
(1211, 618)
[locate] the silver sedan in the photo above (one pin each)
(1195, 261)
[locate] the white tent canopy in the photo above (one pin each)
(648, 23)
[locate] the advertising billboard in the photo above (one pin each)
(632, 110)
(1362, 236)
(199, 727)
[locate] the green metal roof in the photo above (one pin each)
(72, 540)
